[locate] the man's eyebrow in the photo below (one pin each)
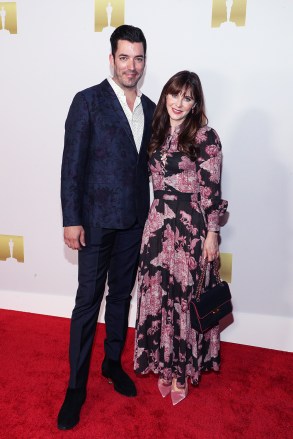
(136, 56)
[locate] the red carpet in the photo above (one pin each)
(251, 397)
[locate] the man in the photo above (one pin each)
(105, 201)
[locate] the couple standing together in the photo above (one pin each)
(115, 137)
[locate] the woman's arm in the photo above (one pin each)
(209, 176)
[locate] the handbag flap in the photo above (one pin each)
(213, 298)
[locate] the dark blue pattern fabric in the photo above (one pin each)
(104, 181)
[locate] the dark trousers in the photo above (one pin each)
(109, 252)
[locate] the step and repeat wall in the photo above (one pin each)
(242, 51)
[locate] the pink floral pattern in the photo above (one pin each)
(187, 203)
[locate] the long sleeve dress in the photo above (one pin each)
(187, 203)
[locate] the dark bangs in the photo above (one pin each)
(180, 85)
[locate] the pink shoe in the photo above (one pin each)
(164, 389)
(178, 394)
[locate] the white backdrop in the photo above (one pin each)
(247, 79)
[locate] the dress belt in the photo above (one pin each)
(173, 196)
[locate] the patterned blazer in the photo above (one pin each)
(104, 180)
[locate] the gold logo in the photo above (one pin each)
(226, 267)
(11, 248)
(229, 13)
(8, 18)
(108, 15)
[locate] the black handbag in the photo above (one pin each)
(210, 304)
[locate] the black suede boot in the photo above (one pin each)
(122, 382)
(68, 416)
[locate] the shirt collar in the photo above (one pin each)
(118, 90)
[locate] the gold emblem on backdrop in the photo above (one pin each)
(11, 248)
(226, 267)
(228, 13)
(108, 15)
(8, 18)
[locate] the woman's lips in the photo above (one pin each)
(176, 111)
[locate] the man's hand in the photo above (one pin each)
(211, 247)
(74, 237)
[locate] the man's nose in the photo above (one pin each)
(131, 64)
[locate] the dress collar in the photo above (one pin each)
(177, 130)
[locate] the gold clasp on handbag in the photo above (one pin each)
(215, 310)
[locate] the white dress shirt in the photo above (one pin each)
(136, 117)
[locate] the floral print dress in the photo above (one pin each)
(171, 260)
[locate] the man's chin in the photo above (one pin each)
(130, 84)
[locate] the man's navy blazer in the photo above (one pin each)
(104, 180)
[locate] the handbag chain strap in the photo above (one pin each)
(202, 276)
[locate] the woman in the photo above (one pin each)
(180, 232)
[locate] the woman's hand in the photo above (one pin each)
(211, 246)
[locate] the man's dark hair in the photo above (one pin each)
(128, 33)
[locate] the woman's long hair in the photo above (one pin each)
(181, 82)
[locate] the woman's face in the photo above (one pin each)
(178, 106)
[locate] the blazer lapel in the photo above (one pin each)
(115, 111)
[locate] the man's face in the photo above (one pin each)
(128, 64)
